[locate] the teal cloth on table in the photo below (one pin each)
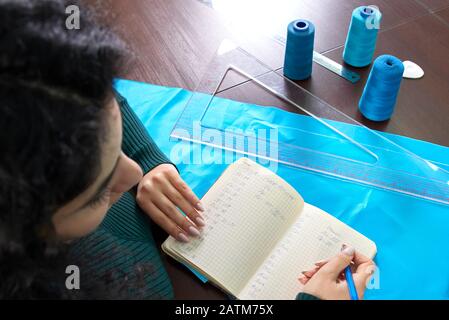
(412, 235)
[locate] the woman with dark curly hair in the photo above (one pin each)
(71, 149)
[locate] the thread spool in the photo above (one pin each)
(379, 97)
(362, 36)
(299, 50)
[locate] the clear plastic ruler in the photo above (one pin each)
(322, 148)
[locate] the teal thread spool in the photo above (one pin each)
(379, 97)
(362, 36)
(299, 50)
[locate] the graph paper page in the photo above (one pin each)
(315, 236)
(247, 211)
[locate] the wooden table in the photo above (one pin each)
(173, 41)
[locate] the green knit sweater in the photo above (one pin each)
(305, 296)
(122, 250)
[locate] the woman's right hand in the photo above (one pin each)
(326, 281)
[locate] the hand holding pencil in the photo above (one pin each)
(343, 277)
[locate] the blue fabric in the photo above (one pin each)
(412, 235)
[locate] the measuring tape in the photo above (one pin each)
(329, 64)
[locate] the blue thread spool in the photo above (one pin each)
(362, 36)
(299, 50)
(382, 88)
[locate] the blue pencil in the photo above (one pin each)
(352, 289)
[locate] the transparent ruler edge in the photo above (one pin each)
(326, 164)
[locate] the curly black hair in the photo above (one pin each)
(54, 85)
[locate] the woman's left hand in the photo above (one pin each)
(161, 193)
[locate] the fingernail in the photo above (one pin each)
(200, 207)
(182, 237)
(307, 274)
(200, 221)
(349, 251)
(194, 231)
(301, 277)
(310, 273)
(321, 262)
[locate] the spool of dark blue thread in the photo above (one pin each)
(362, 36)
(299, 50)
(382, 88)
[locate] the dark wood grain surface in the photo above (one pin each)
(173, 41)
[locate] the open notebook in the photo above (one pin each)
(260, 235)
